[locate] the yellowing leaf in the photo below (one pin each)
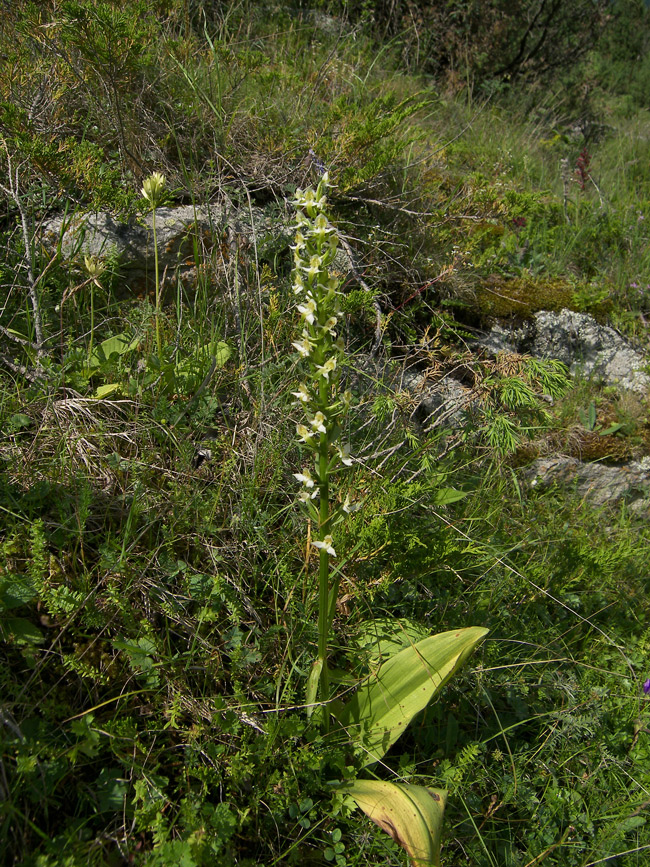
(412, 815)
(106, 390)
(386, 702)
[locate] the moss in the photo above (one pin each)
(592, 446)
(499, 296)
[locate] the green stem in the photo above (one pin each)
(157, 311)
(92, 321)
(324, 564)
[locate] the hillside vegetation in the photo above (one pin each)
(161, 601)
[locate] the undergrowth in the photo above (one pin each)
(157, 599)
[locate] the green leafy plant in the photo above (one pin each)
(386, 702)
(153, 190)
(589, 419)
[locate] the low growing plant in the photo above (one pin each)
(153, 190)
(403, 685)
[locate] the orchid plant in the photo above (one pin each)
(385, 702)
(324, 405)
(153, 190)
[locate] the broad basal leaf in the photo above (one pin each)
(117, 345)
(387, 701)
(312, 685)
(412, 815)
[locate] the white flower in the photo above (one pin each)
(298, 283)
(318, 422)
(327, 545)
(304, 347)
(305, 478)
(302, 394)
(313, 269)
(328, 289)
(307, 199)
(344, 454)
(327, 368)
(308, 310)
(153, 189)
(321, 229)
(300, 242)
(349, 506)
(330, 325)
(304, 434)
(305, 496)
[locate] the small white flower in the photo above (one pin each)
(327, 368)
(327, 545)
(318, 422)
(153, 189)
(321, 229)
(313, 269)
(300, 242)
(298, 283)
(305, 496)
(304, 434)
(302, 394)
(344, 454)
(308, 310)
(350, 506)
(307, 199)
(304, 347)
(330, 325)
(305, 478)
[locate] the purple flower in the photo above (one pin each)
(646, 686)
(319, 165)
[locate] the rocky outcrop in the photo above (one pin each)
(221, 234)
(585, 346)
(218, 230)
(598, 484)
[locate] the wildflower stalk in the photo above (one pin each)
(153, 190)
(319, 345)
(94, 268)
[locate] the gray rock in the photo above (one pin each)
(227, 230)
(598, 484)
(576, 339)
(100, 234)
(443, 402)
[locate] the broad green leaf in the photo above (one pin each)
(191, 370)
(19, 421)
(444, 496)
(119, 344)
(615, 428)
(222, 353)
(412, 815)
(312, 685)
(383, 637)
(387, 701)
(592, 415)
(106, 390)
(20, 631)
(15, 590)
